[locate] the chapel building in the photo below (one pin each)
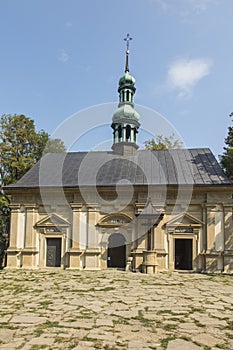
(139, 210)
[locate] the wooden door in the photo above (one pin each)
(53, 257)
(117, 251)
(183, 254)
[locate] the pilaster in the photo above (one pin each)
(31, 218)
(76, 208)
(210, 241)
(74, 252)
(15, 210)
(13, 251)
(92, 242)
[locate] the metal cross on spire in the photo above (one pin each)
(127, 39)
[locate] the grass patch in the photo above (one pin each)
(121, 320)
(221, 346)
(184, 337)
(86, 338)
(197, 309)
(19, 290)
(8, 326)
(50, 324)
(45, 303)
(176, 319)
(230, 325)
(106, 289)
(167, 311)
(169, 327)
(145, 321)
(199, 324)
(165, 341)
(229, 335)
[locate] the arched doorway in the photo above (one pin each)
(116, 251)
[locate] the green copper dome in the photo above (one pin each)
(125, 111)
(126, 79)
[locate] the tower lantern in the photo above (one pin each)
(125, 120)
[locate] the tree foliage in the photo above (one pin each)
(226, 159)
(21, 146)
(2, 249)
(163, 142)
(54, 146)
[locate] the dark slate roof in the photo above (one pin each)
(164, 167)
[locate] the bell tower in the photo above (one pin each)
(125, 120)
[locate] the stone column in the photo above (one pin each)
(132, 134)
(116, 136)
(123, 134)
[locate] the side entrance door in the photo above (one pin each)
(53, 257)
(183, 254)
(116, 251)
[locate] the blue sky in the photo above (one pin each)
(59, 57)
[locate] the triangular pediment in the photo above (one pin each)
(184, 219)
(52, 220)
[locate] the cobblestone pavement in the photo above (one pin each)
(64, 309)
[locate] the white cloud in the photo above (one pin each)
(63, 56)
(185, 9)
(197, 6)
(191, 8)
(184, 74)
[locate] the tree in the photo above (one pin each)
(54, 146)
(226, 159)
(21, 146)
(163, 142)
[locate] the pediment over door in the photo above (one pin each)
(183, 223)
(53, 223)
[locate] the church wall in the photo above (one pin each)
(85, 244)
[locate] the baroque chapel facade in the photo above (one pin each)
(173, 212)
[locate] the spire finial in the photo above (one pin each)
(127, 39)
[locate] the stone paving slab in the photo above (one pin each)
(110, 310)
